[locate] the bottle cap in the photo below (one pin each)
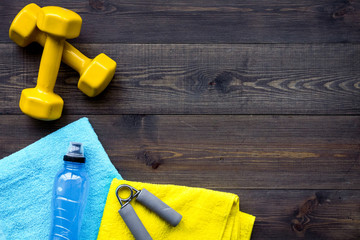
(75, 153)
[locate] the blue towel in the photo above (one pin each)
(26, 180)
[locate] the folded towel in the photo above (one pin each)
(206, 214)
(27, 176)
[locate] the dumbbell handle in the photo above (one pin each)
(50, 63)
(70, 56)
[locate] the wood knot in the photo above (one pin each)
(297, 226)
(304, 214)
(97, 5)
(101, 6)
(223, 81)
(342, 11)
(150, 158)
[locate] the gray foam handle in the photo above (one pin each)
(159, 207)
(133, 222)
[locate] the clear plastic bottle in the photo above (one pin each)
(71, 187)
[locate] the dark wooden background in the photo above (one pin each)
(258, 98)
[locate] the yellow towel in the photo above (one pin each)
(206, 214)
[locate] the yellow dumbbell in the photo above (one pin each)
(59, 24)
(95, 74)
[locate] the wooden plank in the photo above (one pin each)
(207, 21)
(201, 79)
(224, 152)
(294, 214)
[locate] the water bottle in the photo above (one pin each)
(71, 187)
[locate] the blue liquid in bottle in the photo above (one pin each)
(71, 187)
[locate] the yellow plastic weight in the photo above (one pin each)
(41, 102)
(95, 74)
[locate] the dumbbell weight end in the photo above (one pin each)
(41, 105)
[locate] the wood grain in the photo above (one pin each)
(207, 21)
(245, 152)
(201, 79)
(294, 214)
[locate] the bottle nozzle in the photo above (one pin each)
(75, 152)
